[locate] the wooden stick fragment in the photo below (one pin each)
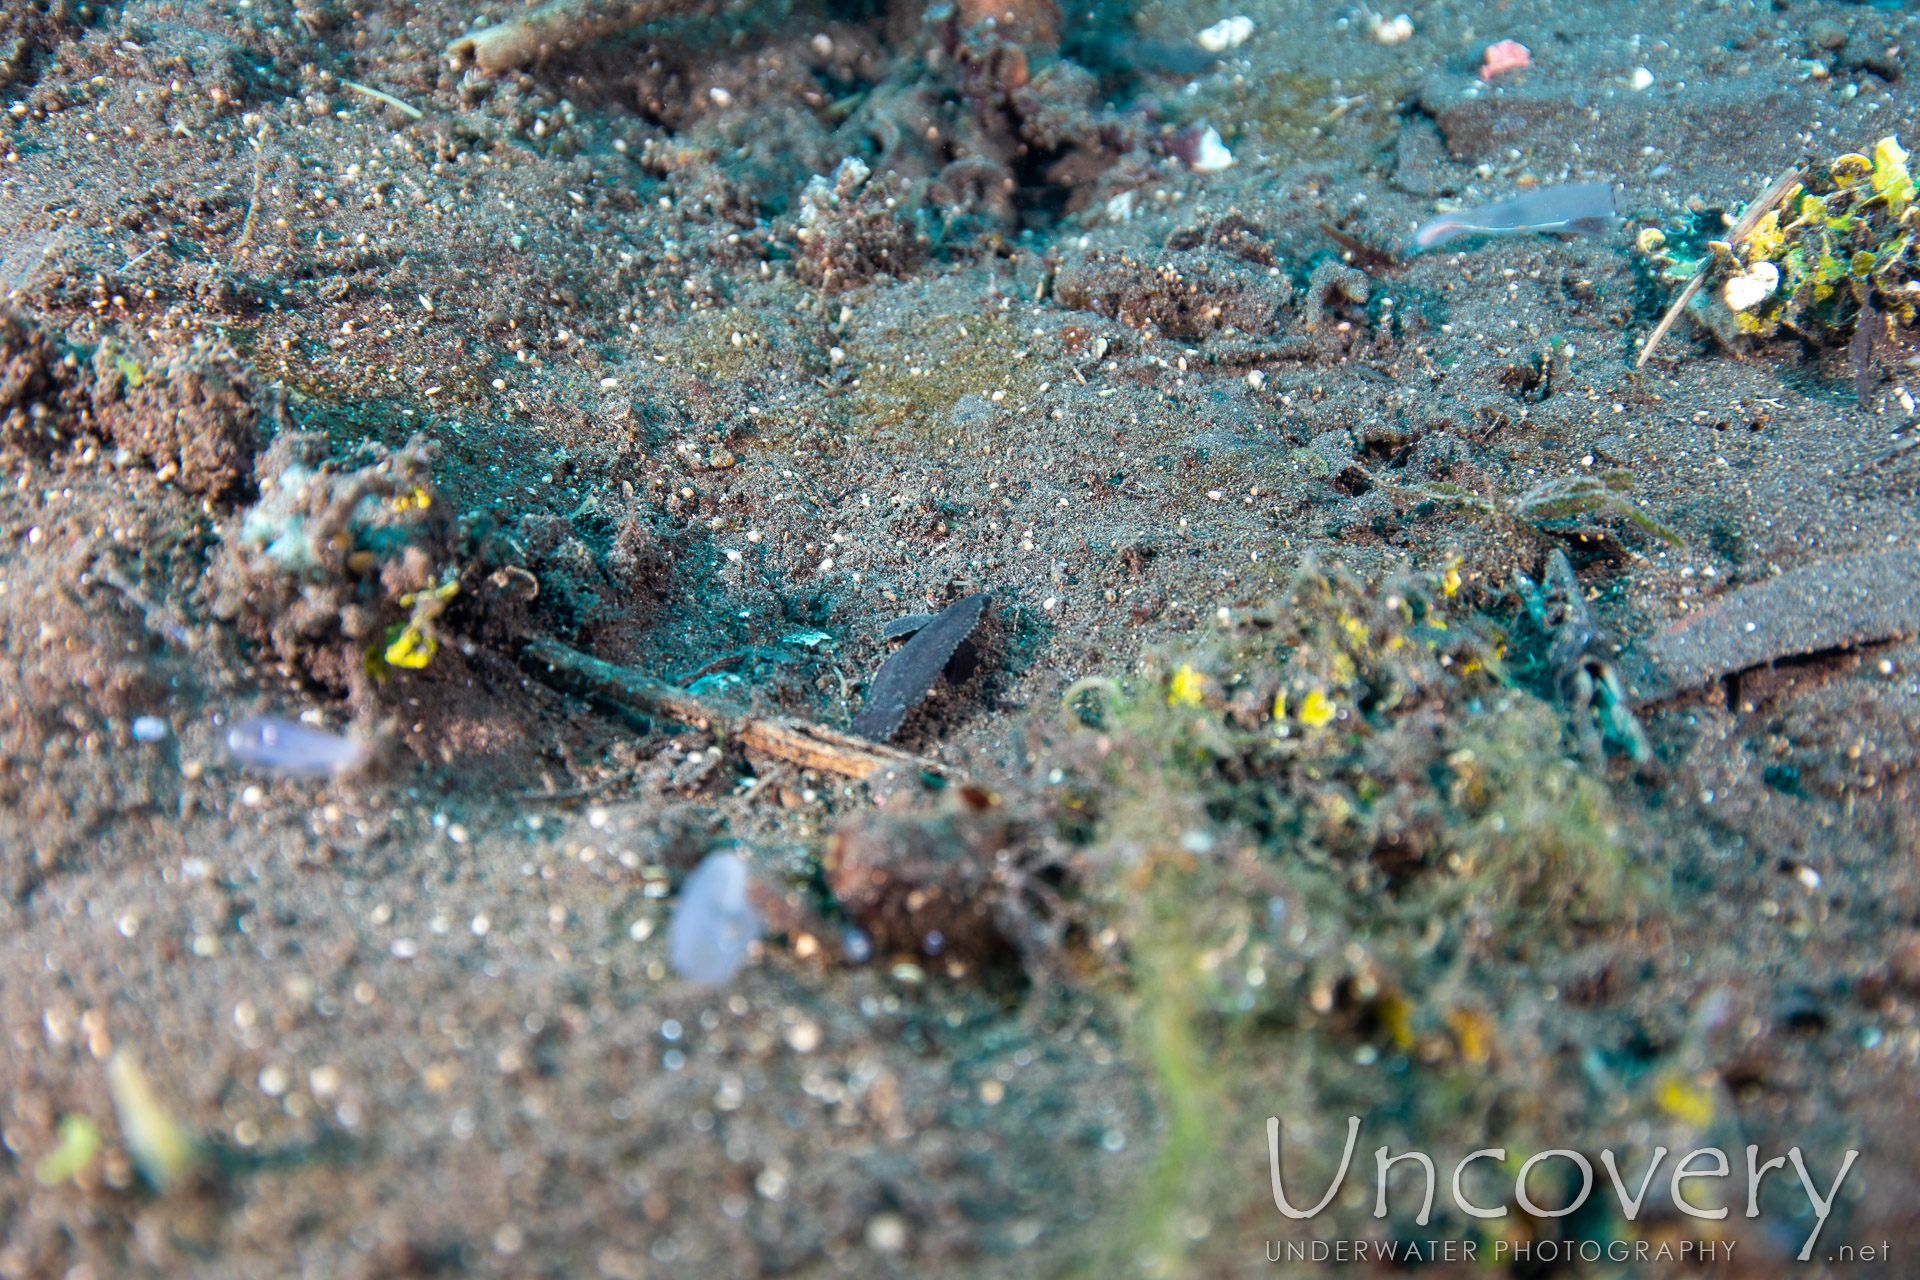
(798, 742)
(1750, 219)
(557, 26)
(405, 108)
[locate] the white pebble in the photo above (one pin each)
(150, 729)
(1641, 79)
(887, 1233)
(1228, 33)
(803, 1036)
(1752, 287)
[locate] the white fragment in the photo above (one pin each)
(803, 1036)
(720, 96)
(1212, 155)
(807, 639)
(714, 923)
(1640, 80)
(1752, 287)
(150, 729)
(1391, 31)
(1228, 33)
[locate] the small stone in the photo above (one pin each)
(887, 1233)
(1825, 33)
(1210, 153)
(1228, 33)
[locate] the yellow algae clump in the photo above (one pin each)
(1317, 710)
(1685, 1099)
(1189, 688)
(1890, 176)
(1849, 169)
(79, 1142)
(415, 499)
(412, 649)
(415, 646)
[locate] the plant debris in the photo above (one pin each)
(554, 28)
(1837, 604)
(162, 1148)
(903, 679)
(810, 746)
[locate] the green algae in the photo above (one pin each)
(1316, 823)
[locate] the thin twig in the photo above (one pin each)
(253, 202)
(798, 742)
(1772, 196)
(158, 617)
(404, 107)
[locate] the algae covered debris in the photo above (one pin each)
(1829, 256)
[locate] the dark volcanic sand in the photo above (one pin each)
(422, 1020)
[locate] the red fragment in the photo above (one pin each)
(1508, 55)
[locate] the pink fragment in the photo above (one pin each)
(1508, 55)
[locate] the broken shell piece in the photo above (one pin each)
(1207, 153)
(1228, 33)
(1752, 287)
